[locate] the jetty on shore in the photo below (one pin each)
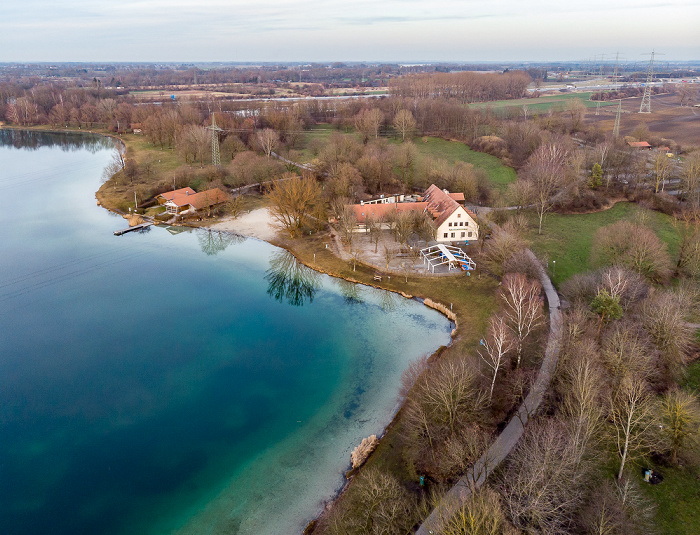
(131, 229)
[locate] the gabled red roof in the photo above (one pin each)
(170, 195)
(200, 200)
(437, 202)
(440, 204)
(639, 144)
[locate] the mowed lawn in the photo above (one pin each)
(499, 175)
(566, 240)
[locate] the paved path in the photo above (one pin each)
(509, 437)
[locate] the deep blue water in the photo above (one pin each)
(171, 381)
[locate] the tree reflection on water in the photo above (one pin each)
(350, 292)
(290, 280)
(214, 241)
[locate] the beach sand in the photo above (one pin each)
(255, 224)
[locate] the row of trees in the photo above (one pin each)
(464, 87)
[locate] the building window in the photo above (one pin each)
(461, 223)
(452, 235)
(463, 234)
(449, 224)
(459, 215)
(466, 224)
(445, 235)
(470, 234)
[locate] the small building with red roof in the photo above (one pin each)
(639, 145)
(186, 200)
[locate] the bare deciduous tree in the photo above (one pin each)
(583, 404)
(542, 484)
(522, 307)
(374, 227)
(680, 421)
(687, 225)
(633, 246)
(404, 123)
(504, 243)
(498, 342)
(295, 203)
(388, 255)
(268, 140)
(663, 166)
(663, 318)
(369, 121)
(690, 179)
(632, 416)
(545, 171)
(481, 514)
(443, 401)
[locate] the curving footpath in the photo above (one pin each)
(509, 437)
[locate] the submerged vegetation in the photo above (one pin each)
(623, 251)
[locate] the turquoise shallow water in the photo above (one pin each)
(175, 382)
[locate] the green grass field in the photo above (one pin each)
(500, 175)
(567, 239)
(535, 105)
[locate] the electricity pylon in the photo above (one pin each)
(616, 128)
(645, 106)
(215, 154)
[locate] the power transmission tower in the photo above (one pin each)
(617, 57)
(597, 108)
(215, 154)
(645, 106)
(616, 128)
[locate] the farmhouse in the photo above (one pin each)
(452, 220)
(186, 200)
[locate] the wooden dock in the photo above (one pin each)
(131, 229)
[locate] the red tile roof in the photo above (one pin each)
(203, 199)
(440, 204)
(437, 202)
(184, 196)
(639, 144)
(170, 195)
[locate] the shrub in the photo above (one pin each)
(633, 246)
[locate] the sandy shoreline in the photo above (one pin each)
(254, 224)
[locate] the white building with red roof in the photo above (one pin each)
(454, 223)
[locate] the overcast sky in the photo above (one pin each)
(347, 30)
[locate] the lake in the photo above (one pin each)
(175, 380)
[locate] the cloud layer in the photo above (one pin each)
(315, 30)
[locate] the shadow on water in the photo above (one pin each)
(215, 241)
(66, 141)
(291, 281)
